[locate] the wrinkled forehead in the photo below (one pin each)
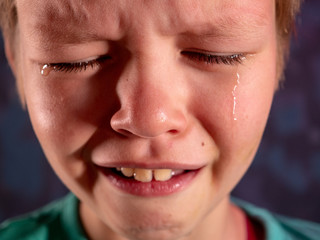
(73, 20)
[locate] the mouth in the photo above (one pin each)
(149, 182)
(147, 175)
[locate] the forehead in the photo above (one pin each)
(79, 20)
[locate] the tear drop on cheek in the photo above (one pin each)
(234, 95)
(45, 70)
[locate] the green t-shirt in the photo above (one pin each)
(277, 227)
(56, 221)
(60, 221)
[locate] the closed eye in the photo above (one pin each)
(207, 58)
(78, 66)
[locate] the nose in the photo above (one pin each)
(151, 104)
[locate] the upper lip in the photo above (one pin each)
(151, 165)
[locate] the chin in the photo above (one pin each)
(155, 226)
(155, 233)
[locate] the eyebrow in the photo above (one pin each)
(227, 27)
(73, 34)
(51, 31)
(205, 33)
(230, 27)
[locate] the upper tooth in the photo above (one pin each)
(162, 174)
(142, 175)
(128, 172)
(146, 175)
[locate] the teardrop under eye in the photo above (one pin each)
(45, 70)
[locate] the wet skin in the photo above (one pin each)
(156, 94)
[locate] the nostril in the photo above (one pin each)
(173, 131)
(124, 132)
(147, 122)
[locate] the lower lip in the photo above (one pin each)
(153, 188)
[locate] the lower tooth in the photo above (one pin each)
(162, 174)
(142, 175)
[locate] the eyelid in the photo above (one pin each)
(214, 58)
(78, 66)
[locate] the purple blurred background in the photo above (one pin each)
(285, 176)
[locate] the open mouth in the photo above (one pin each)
(149, 182)
(147, 175)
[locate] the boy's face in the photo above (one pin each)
(183, 85)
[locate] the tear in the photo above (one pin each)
(235, 97)
(45, 70)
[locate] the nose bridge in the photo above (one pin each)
(150, 100)
(152, 82)
(150, 109)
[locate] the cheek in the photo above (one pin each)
(61, 111)
(234, 112)
(254, 99)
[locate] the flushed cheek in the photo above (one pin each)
(62, 145)
(55, 127)
(61, 114)
(234, 114)
(254, 102)
(240, 145)
(61, 111)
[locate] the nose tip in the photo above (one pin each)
(148, 122)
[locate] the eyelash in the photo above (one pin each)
(78, 66)
(233, 59)
(194, 56)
